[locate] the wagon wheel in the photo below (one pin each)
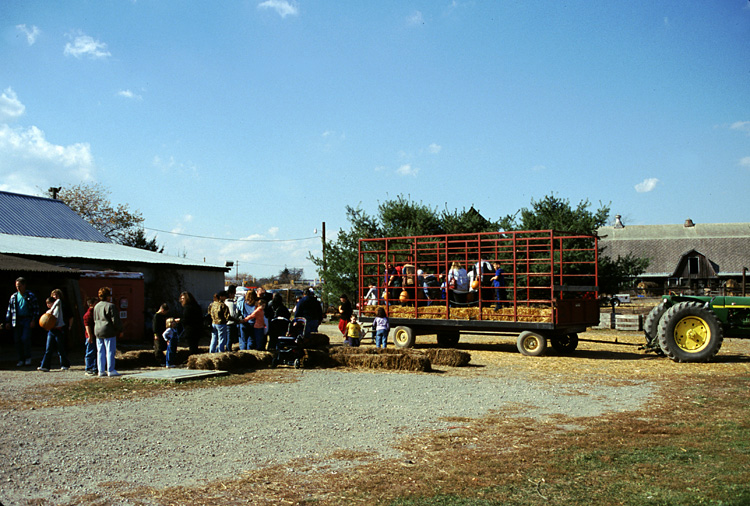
(403, 337)
(565, 343)
(448, 339)
(690, 332)
(531, 344)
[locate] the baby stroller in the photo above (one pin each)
(289, 349)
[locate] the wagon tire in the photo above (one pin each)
(531, 344)
(566, 343)
(448, 339)
(403, 337)
(690, 332)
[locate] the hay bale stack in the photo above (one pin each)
(316, 341)
(202, 361)
(253, 359)
(449, 357)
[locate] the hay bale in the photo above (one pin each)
(316, 341)
(135, 359)
(253, 359)
(390, 361)
(449, 357)
(319, 358)
(203, 361)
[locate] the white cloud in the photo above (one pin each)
(415, 18)
(407, 170)
(646, 185)
(129, 94)
(31, 33)
(10, 107)
(743, 126)
(282, 7)
(745, 162)
(434, 148)
(83, 45)
(273, 231)
(538, 168)
(29, 161)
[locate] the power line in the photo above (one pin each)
(228, 239)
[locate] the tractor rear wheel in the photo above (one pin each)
(651, 328)
(690, 332)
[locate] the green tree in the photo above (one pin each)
(137, 239)
(91, 202)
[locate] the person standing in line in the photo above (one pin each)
(192, 321)
(279, 310)
(171, 336)
(23, 311)
(259, 327)
(56, 335)
(89, 356)
(345, 313)
(219, 317)
(107, 326)
(244, 310)
(381, 325)
(498, 281)
(233, 331)
(159, 325)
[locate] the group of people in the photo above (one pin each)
(485, 281)
(101, 324)
(246, 320)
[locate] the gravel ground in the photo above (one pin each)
(189, 437)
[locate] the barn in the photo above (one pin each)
(690, 257)
(45, 241)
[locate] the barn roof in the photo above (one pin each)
(68, 249)
(725, 244)
(42, 217)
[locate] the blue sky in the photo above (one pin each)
(259, 120)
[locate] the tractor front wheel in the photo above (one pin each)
(690, 332)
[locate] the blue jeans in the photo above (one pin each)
(105, 355)
(381, 338)
(260, 339)
(90, 355)
(247, 336)
(219, 337)
(55, 339)
(171, 352)
(22, 338)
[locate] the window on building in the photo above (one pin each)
(693, 266)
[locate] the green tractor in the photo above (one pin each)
(691, 329)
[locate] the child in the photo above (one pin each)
(259, 327)
(171, 337)
(88, 326)
(381, 326)
(353, 332)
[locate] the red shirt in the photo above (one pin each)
(88, 319)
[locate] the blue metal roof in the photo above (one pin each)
(32, 216)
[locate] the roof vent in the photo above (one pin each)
(618, 221)
(689, 223)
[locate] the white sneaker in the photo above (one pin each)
(43, 369)
(63, 368)
(113, 373)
